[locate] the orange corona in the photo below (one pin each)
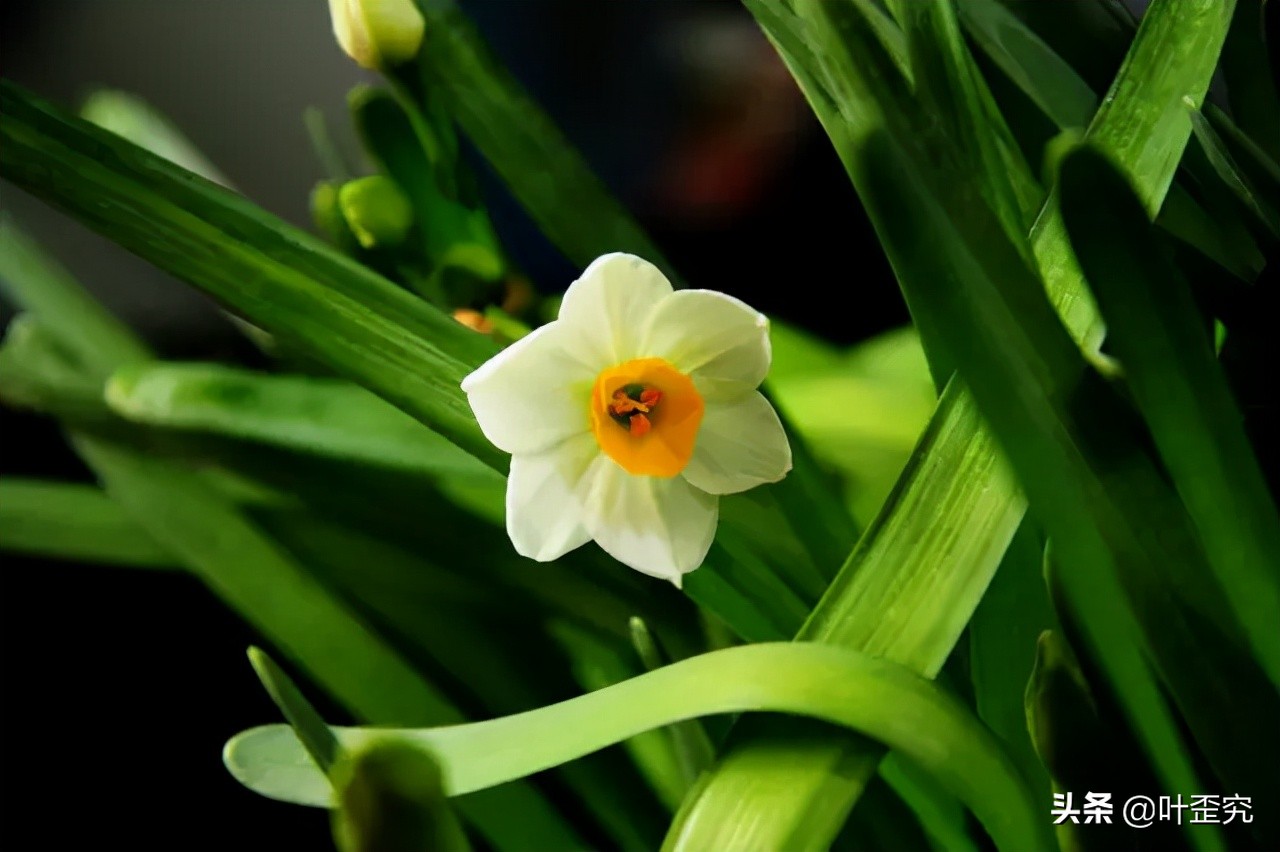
(645, 415)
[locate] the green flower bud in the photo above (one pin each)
(377, 33)
(376, 210)
(328, 218)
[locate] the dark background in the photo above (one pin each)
(118, 687)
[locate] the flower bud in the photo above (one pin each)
(376, 210)
(377, 33)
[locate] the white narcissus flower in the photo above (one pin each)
(628, 416)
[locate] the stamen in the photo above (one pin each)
(629, 406)
(623, 404)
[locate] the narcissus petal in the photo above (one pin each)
(741, 445)
(545, 496)
(660, 527)
(710, 336)
(533, 394)
(608, 306)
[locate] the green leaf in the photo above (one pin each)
(1002, 648)
(457, 625)
(328, 417)
(927, 559)
(1031, 64)
(950, 87)
(36, 372)
(321, 745)
(391, 799)
(1092, 487)
(1240, 184)
(283, 280)
(82, 326)
(1250, 76)
(275, 594)
(134, 119)
(1067, 100)
(693, 748)
(573, 208)
(857, 691)
(861, 413)
(1144, 125)
(259, 580)
(79, 523)
(973, 491)
(1170, 367)
(940, 813)
(596, 664)
(1254, 161)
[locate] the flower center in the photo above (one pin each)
(645, 416)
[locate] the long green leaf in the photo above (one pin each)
(285, 281)
(1068, 101)
(1237, 180)
(134, 119)
(83, 326)
(1002, 647)
(316, 737)
(574, 209)
(1250, 76)
(857, 691)
(1096, 494)
(1038, 71)
(74, 522)
(1170, 366)
(329, 417)
(806, 807)
(950, 87)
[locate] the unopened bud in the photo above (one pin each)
(376, 210)
(377, 33)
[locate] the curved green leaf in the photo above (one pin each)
(905, 711)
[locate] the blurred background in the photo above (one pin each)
(118, 688)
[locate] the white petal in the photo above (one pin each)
(741, 444)
(660, 527)
(533, 394)
(710, 336)
(609, 305)
(545, 495)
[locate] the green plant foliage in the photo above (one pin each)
(850, 689)
(1029, 544)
